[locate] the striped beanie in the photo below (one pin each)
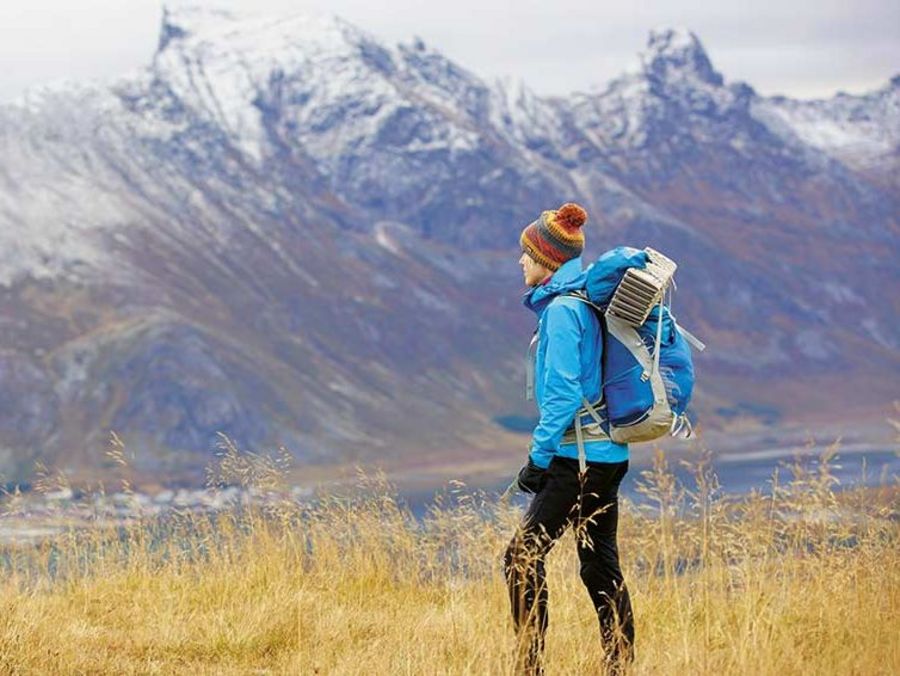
(556, 236)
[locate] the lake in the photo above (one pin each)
(740, 473)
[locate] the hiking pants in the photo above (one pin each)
(592, 508)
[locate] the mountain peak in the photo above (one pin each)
(169, 30)
(253, 32)
(183, 21)
(676, 38)
(677, 51)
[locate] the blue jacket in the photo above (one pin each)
(567, 367)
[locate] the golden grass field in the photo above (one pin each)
(802, 581)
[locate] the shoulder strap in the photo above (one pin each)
(529, 367)
(583, 297)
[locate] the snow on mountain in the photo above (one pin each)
(674, 74)
(523, 116)
(331, 83)
(57, 191)
(226, 66)
(863, 131)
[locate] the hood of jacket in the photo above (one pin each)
(569, 277)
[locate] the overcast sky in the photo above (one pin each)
(801, 48)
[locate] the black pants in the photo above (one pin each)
(592, 509)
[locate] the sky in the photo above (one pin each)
(798, 48)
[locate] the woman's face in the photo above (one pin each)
(534, 272)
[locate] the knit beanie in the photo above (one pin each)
(556, 236)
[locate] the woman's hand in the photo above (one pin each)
(531, 477)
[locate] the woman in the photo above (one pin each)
(568, 371)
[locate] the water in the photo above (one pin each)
(740, 473)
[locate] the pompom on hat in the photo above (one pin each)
(555, 237)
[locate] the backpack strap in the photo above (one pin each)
(656, 350)
(593, 411)
(583, 297)
(579, 434)
(690, 337)
(529, 367)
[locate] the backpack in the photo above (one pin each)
(648, 371)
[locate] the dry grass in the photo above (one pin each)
(801, 581)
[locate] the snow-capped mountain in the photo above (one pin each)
(286, 231)
(861, 131)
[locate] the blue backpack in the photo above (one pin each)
(648, 372)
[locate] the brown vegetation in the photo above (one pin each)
(800, 580)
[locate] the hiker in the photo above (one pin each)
(567, 350)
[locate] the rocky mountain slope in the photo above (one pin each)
(288, 232)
